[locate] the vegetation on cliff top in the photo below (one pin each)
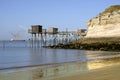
(112, 9)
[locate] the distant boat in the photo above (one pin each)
(16, 40)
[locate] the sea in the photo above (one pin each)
(20, 54)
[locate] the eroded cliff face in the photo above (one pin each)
(106, 24)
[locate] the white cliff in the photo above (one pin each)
(106, 24)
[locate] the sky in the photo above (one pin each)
(17, 16)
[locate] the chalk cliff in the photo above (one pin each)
(106, 24)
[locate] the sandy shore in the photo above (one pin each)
(106, 73)
(105, 69)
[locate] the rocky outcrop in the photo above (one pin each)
(106, 24)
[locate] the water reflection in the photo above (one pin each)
(11, 57)
(42, 55)
(68, 62)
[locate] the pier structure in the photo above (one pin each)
(66, 36)
(52, 36)
(36, 32)
(44, 35)
(52, 33)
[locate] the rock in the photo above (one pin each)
(106, 24)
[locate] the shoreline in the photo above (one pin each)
(67, 71)
(109, 58)
(106, 73)
(91, 64)
(101, 72)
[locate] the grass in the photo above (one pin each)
(111, 9)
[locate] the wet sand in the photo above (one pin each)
(111, 72)
(105, 69)
(107, 73)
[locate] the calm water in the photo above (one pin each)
(21, 54)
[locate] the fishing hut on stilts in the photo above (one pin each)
(36, 32)
(51, 36)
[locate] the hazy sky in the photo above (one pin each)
(16, 16)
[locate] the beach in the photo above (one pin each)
(105, 69)
(107, 73)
